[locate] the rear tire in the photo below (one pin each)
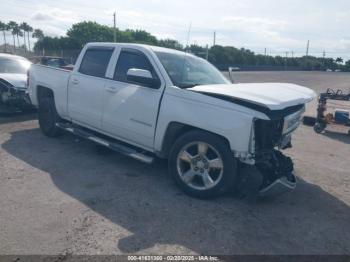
(48, 117)
(202, 164)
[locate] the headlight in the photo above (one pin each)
(291, 122)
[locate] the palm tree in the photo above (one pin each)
(23, 27)
(29, 30)
(11, 27)
(339, 60)
(17, 31)
(38, 33)
(3, 28)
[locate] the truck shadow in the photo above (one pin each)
(6, 118)
(342, 137)
(144, 201)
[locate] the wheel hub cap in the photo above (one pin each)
(200, 165)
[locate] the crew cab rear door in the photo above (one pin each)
(86, 87)
(130, 109)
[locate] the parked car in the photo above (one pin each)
(13, 77)
(52, 61)
(148, 102)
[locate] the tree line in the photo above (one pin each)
(221, 56)
(20, 30)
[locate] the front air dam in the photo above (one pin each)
(280, 186)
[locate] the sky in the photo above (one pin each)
(279, 26)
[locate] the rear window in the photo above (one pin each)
(95, 61)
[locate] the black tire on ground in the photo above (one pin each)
(48, 117)
(319, 127)
(229, 173)
(309, 120)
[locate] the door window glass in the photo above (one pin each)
(95, 61)
(131, 59)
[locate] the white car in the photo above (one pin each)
(148, 102)
(13, 78)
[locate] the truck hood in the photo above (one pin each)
(17, 80)
(274, 96)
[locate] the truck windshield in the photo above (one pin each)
(14, 66)
(187, 70)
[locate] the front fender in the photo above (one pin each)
(205, 113)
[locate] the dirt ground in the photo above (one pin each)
(67, 195)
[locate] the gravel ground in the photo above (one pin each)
(68, 195)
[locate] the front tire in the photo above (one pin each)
(48, 117)
(202, 164)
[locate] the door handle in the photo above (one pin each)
(111, 89)
(75, 81)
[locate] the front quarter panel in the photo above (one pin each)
(231, 121)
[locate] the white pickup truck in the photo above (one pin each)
(148, 102)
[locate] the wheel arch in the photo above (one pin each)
(176, 129)
(44, 92)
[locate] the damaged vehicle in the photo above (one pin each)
(13, 78)
(149, 102)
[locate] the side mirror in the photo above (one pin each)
(142, 77)
(230, 74)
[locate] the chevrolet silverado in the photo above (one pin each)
(150, 102)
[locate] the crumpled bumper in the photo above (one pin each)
(280, 186)
(278, 175)
(270, 177)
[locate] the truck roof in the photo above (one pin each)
(151, 47)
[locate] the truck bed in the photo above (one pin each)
(54, 78)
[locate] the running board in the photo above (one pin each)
(115, 146)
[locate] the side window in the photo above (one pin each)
(53, 63)
(95, 61)
(131, 59)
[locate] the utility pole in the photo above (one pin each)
(214, 41)
(265, 52)
(114, 27)
(292, 54)
(188, 35)
(207, 52)
(307, 47)
(324, 59)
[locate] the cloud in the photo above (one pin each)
(54, 14)
(41, 17)
(251, 24)
(54, 21)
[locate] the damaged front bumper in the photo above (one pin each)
(280, 186)
(273, 175)
(274, 172)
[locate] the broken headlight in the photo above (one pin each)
(291, 122)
